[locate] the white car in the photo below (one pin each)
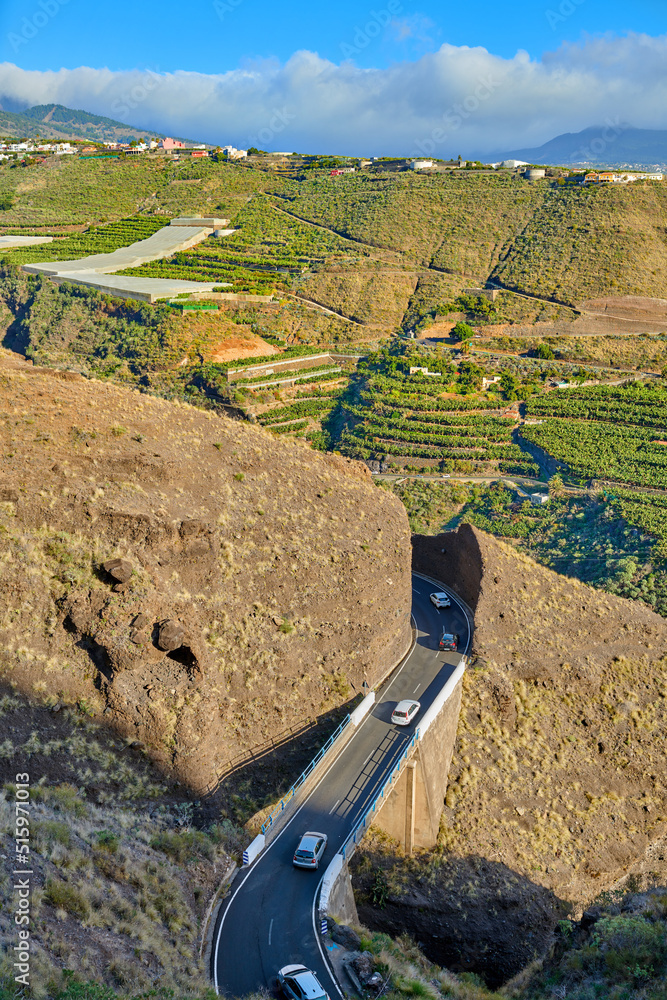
(440, 600)
(405, 712)
(299, 983)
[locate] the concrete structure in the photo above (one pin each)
(535, 173)
(143, 289)
(486, 382)
(166, 242)
(421, 164)
(412, 813)
(15, 242)
(208, 221)
(490, 294)
(539, 499)
(182, 234)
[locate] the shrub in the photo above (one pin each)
(66, 897)
(184, 845)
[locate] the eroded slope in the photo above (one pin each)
(258, 583)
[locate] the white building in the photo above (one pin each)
(539, 499)
(421, 164)
(233, 153)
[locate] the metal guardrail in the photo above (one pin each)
(360, 829)
(268, 823)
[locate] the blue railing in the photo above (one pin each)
(360, 828)
(268, 823)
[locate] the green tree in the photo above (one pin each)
(508, 385)
(463, 332)
(470, 376)
(556, 485)
(545, 352)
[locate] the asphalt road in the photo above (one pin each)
(268, 919)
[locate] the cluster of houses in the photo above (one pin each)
(30, 147)
(609, 177)
(39, 148)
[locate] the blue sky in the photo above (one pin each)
(394, 76)
(211, 37)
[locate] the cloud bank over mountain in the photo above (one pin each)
(456, 100)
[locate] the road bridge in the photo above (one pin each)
(270, 917)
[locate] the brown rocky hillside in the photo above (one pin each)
(558, 784)
(191, 581)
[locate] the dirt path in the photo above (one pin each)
(316, 305)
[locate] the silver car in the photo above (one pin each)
(299, 983)
(311, 848)
(405, 712)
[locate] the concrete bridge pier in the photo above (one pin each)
(411, 813)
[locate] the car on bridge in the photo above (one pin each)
(448, 640)
(440, 600)
(310, 850)
(405, 712)
(299, 983)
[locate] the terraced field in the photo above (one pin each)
(427, 422)
(614, 434)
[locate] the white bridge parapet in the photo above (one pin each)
(435, 709)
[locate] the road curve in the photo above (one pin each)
(268, 918)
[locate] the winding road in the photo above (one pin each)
(268, 918)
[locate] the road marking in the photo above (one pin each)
(270, 930)
(367, 759)
(416, 689)
(334, 806)
(250, 869)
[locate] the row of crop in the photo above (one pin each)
(100, 239)
(397, 395)
(647, 409)
(634, 393)
(425, 434)
(604, 451)
(296, 379)
(493, 428)
(473, 448)
(291, 373)
(294, 351)
(303, 408)
(647, 511)
(295, 426)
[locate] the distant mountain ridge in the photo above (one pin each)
(612, 145)
(55, 121)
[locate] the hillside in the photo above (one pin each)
(383, 252)
(122, 877)
(268, 563)
(558, 781)
(54, 121)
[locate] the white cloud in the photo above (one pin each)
(456, 100)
